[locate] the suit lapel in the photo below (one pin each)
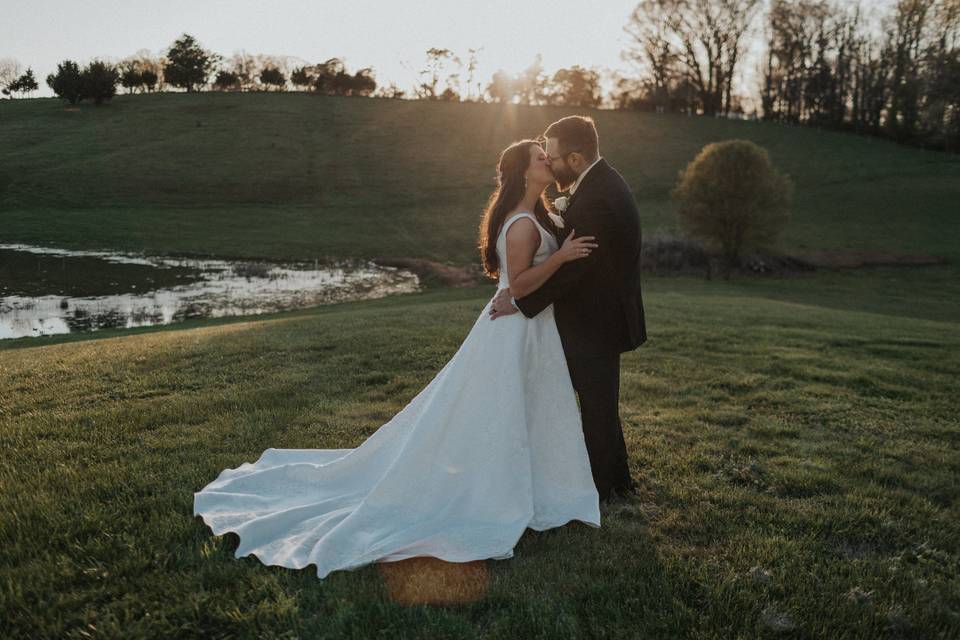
(592, 178)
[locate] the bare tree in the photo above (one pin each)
(704, 38)
(10, 70)
(652, 52)
(472, 74)
(244, 68)
(890, 69)
(906, 37)
(438, 63)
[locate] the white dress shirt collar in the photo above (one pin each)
(576, 184)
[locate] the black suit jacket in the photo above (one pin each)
(597, 300)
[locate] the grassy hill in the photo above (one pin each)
(297, 175)
(795, 438)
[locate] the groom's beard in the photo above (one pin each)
(565, 178)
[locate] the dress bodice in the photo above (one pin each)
(548, 244)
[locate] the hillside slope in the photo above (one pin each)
(298, 175)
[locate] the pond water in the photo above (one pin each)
(46, 291)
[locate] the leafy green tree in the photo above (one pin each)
(24, 84)
(328, 78)
(188, 64)
(530, 85)
(227, 81)
(732, 196)
(99, 81)
(301, 77)
(273, 77)
(150, 79)
(342, 84)
(131, 77)
(502, 87)
(363, 83)
(576, 87)
(67, 83)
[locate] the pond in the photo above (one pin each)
(47, 291)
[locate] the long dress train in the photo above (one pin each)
(491, 446)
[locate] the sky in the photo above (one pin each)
(392, 37)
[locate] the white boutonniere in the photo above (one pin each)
(561, 206)
(561, 203)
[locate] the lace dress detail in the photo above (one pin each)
(492, 445)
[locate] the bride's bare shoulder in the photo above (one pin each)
(523, 230)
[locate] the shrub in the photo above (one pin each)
(663, 253)
(732, 196)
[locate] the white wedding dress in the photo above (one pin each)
(491, 446)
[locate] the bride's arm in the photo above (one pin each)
(523, 240)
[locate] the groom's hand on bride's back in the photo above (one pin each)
(501, 304)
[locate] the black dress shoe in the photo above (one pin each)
(624, 493)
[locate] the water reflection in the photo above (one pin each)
(51, 291)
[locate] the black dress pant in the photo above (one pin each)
(596, 379)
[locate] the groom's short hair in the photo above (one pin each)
(575, 133)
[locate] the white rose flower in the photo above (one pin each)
(561, 203)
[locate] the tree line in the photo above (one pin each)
(187, 66)
(828, 63)
(839, 64)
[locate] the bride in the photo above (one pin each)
(491, 446)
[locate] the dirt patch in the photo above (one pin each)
(439, 273)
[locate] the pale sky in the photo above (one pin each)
(392, 37)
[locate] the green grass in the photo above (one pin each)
(795, 438)
(297, 176)
(828, 458)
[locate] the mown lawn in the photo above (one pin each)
(798, 465)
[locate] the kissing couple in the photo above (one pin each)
(519, 429)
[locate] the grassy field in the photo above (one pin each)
(795, 439)
(296, 175)
(790, 475)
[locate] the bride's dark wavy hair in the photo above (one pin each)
(510, 189)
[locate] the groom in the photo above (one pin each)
(597, 301)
